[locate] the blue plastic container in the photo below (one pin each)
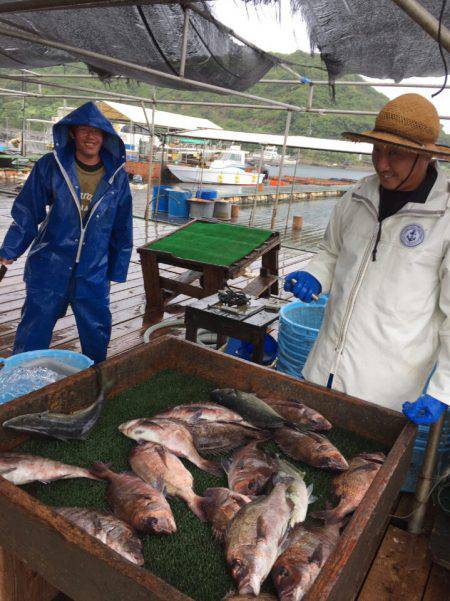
(178, 204)
(69, 358)
(244, 350)
(299, 327)
(206, 194)
(163, 200)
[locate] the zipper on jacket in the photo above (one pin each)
(77, 202)
(351, 300)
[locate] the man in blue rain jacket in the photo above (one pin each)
(80, 242)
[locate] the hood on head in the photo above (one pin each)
(113, 149)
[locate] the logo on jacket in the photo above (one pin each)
(412, 235)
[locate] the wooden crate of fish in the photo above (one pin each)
(230, 514)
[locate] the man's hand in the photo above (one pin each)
(6, 261)
(303, 285)
(425, 411)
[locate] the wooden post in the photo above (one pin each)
(19, 583)
(297, 222)
(234, 212)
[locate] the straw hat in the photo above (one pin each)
(410, 122)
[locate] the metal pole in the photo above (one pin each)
(283, 152)
(310, 97)
(22, 141)
(252, 214)
(378, 84)
(29, 5)
(426, 20)
(89, 54)
(184, 41)
(291, 197)
(425, 481)
(151, 129)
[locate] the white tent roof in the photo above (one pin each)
(116, 111)
(275, 140)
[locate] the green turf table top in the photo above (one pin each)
(212, 243)
(190, 560)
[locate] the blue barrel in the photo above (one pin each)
(178, 203)
(163, 200)
(206, 194)
(299, 327)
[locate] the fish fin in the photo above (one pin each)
(282, 478)
(289, 469)
(367, 467)
(311, 498)
(226, 464)
(7, 470)
(262, 529)
(196, 417)
(317, 556)
(328, 516)
(100, 469)
(196, 505)
(211, 467)
(162, 452)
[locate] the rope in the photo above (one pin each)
(441, 17)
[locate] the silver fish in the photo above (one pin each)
(20, 468)
(108, 529)
(62, 426)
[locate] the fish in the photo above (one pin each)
(252, 408)
(350, 487)
(173, 435)
(311, 448)
(62, 426)
(21, 468)
(195, 412)
(142, 506)
(151, 462)
(306, 550)
(111, 531)
(300, 494)
(261, 597)
(300, 414)
(220, 505)
(254, 537)
(217, 437)
(249, 469)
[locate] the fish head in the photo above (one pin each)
(160, 523)
(334, 461)
(249, 567)
(292, 579)
(135, 429)
(251, 484)
(29, 423)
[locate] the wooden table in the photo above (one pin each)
(211, 277)
(251, 329)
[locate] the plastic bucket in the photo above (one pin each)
(178, 205)
(244, 350)
(222, 210)
(201, 208)
(76, 360)
(299, 327)
(206, 194)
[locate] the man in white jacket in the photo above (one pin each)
(385, 262)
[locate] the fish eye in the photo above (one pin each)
(252, 485)
(235, 564)
(282, 572)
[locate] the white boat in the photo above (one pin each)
(228, 169)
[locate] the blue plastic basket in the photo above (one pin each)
(206, 194)
(299, 327)
(69, 358)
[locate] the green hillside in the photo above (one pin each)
(316, 125)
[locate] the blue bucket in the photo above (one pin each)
(299, 327)
(178, 204)
(244, 350)
(76, 361)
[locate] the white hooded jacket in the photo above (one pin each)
(387, 322)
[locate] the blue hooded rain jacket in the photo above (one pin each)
(71, 261)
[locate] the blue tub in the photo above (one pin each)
(163, 200)
(178, 204)
(10, 390)
(244, 350)
(206, 194)
(299, 327)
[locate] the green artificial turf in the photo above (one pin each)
(213, 243)
(190, 560)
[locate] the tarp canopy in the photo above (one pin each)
(377, 39)
(116, 111)
(145, 35)
(275, 140)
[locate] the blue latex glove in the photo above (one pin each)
(425, 411)
(303, 285)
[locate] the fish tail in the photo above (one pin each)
(212, 467)
(329, 516)
(101, 470)
(195, 504)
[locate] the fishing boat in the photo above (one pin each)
(228, 169)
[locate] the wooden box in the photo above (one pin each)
(86, 570)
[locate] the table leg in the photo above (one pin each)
(191, 332)
(213, 279)
(270, 266)
(153, 292)
(258, 348)
(19, 583)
